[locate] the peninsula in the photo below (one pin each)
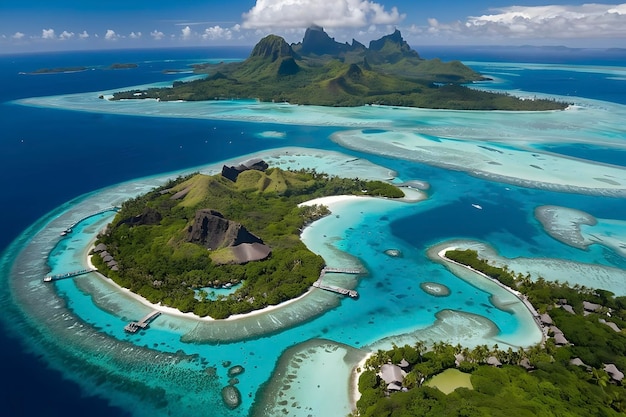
(238, 231)
(577, 370)
(321, 71)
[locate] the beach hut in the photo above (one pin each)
(612, 325)
(525, 363)
(568, 308)
(100, 247)
(546, 319)
(613, 372)
(579, 362)
(392, 374)
(493, 361)
(560, 339)
(591, 307)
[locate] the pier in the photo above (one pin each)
(134, 326)
(50, 278)
(71, 226)
(333, 288)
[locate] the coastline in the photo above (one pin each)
(330, 201)
(531, 309)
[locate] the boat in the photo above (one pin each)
(477, 206)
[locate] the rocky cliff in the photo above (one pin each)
(211, 230)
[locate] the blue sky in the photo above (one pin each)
(40, 25)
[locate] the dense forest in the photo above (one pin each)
(539, 381)
(153, 258)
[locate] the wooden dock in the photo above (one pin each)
(333, 288)
(50, 278)
(71, 226)
(134, 326)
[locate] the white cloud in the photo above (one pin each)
(83, 35)
(135, 35)
(47, 34)
(587, 21)
(157, 35)
(17, 36)
(217, 32)
(111, 35)
(186, 33)
(326, 13)
(66, 35)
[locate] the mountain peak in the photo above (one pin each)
(273, 47)
(316, 41)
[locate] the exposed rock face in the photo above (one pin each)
(148, 217)
(211, 230)
(317, 42)
(391, 48)
(233, 172)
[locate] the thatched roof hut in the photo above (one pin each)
(614, 373)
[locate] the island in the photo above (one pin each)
(186, 242)
(118, 65)
(67, 70)
(577, 370)
(58, 70)
(321, 71)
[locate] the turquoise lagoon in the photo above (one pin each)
(488, 173)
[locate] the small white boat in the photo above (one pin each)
(477, 206)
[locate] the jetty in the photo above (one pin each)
(71, 226)
(50, 278)
(134, 326)
(333, 288)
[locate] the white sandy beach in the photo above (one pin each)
(330, 201)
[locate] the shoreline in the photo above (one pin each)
(329, 201)
(357, 370)
(442, 254)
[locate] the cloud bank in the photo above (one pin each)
(326, 13)
(541, 22)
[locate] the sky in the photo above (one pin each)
(52, 25)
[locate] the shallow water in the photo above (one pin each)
(77, 324)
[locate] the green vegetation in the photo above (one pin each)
(122, 66)
(58, 70)
(552, 388)
(148, 238)
(548, 384)
(388, 73)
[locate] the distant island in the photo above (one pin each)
(65, 70)
(59, 70)
(321, 71)
(129, 65)
(238, 230)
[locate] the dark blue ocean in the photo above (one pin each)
(49, 157)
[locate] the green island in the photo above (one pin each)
(58, 70)
(575, 372)
(321, 71)
(238, 230)
(61, 70)
(117, 65)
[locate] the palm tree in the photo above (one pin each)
(600, 378)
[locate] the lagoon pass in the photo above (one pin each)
(541, 192)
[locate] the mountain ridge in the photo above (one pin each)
(322, 71)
